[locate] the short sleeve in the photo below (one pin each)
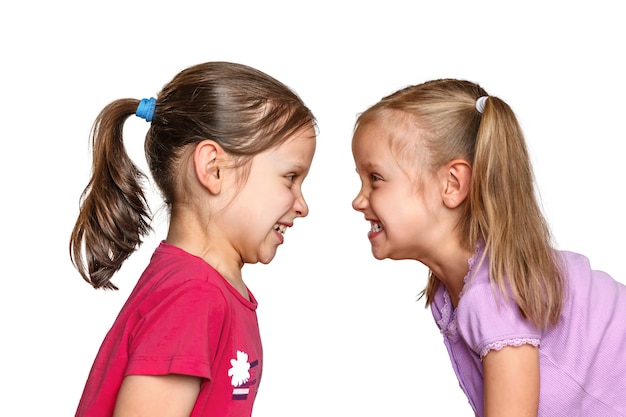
(180, 333)
(487, 321)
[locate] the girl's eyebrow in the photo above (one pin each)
(298, 168)
(370, 166)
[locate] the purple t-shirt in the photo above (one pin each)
(582, 359)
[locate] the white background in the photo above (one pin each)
(343, 333)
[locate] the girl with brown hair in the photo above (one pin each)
(228, 147)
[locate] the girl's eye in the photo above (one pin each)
(291, 177)
(375, 177)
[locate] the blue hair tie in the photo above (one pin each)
(145, 110)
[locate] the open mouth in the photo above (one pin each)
(280, 228)
(376, 227)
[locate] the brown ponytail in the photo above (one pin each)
(114, 215)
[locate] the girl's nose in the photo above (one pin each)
(360, 202)
(302, 209)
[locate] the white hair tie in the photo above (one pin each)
(480, 104)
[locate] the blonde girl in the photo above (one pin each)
(446, 180)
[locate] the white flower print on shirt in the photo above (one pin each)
(240, 369)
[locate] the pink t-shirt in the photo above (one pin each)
(582, 359)
(182, 317)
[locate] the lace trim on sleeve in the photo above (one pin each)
(509, 342)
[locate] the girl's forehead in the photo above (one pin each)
(398, 139)
(393, 131)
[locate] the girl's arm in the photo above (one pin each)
(512, 381)
(156, 396)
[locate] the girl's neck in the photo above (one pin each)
(222, 258)
(451, 270)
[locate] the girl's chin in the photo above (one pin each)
(378, 254)
(266, 258)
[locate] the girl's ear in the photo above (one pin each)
(458, 174)
(206, 158)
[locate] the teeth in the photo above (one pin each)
(376, 227)
(280, 228)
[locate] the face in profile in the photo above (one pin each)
(397, 196)
(273, 192)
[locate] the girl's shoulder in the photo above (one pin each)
(176, 263)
